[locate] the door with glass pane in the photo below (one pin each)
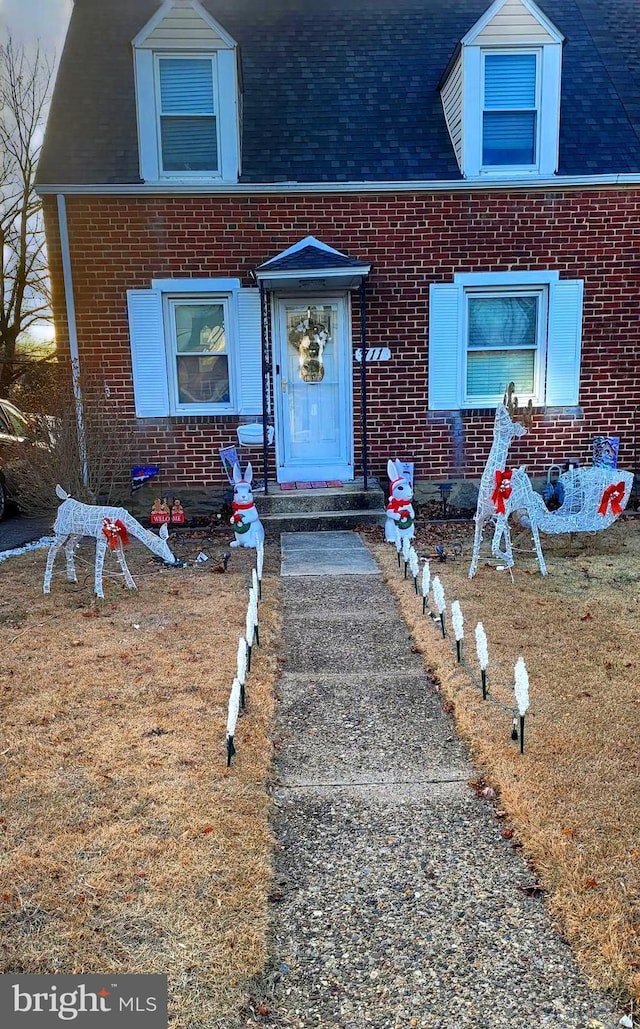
(313, 389)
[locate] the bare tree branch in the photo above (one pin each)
(24, 287)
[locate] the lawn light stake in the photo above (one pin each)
(251, 626)
(406, 547)
(426, 582)
(398, 543)
(483, 656)
(521, 690)
(260, 566)
(253, 603)
(232, 718)
(441, 603)
(414, 567)
(241, 670)
(458, 627)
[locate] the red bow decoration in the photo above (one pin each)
(612, 495)
(502, 491)
(116, 533)
(398, 504)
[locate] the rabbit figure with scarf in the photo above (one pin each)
(400, 513)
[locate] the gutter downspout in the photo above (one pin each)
(73, 333)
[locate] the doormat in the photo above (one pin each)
(322, 484)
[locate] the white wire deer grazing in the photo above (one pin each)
(111, 526)
(594, 497)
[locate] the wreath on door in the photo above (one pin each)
(309, 337)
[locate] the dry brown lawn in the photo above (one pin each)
(572, 800)
(126, 844)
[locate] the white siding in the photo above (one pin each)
(183, 27)
(451, 95)
(513, 24)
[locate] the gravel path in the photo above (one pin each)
(398, 902)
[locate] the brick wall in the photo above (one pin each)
(120, 243)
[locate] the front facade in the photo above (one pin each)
(265, 196)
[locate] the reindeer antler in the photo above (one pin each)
(523, 414)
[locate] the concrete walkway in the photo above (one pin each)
(399, 903)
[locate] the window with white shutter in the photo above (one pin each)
(487, 330)
(196, 348)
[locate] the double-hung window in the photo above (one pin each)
(187, 122)
(198, 353)
(505, 334)
(196, 348)
(510, 110)
(487, 329)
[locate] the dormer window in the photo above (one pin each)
(501, 94)
(186, 105)
(187, 96)
(510, 110)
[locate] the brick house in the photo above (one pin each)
(243, 198)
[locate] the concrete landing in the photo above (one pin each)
(325, 553)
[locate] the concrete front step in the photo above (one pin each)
(348, 497)
(317, 521)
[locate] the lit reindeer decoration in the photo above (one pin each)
(593, 497)
(111, 527)
(495, 474)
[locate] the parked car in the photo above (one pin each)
(14, 434)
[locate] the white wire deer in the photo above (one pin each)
(594, 497)
(111, 527)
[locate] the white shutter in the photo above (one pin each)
(563, 347)
(148, 355)
(445, 346)
(249, 351)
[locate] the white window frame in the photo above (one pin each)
(227, 93)
(497, 169)
(170, 302)
(548, 82)
(199, 292)
(540, 349)
(181, 55)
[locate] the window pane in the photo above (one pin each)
(509, 81)
(189, 144)
(502, 321)
(508, 137)
(186, 86)
(489, 372)
(203, 380)
(200, 328)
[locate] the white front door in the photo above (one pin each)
(313, 389)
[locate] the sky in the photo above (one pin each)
(31, 21)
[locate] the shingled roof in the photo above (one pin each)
(341, 90)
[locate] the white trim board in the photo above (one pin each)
(532, 184)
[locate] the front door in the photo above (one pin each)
(313, 389)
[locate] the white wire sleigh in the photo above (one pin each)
(594, 498)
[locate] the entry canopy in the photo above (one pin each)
(311, 265)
